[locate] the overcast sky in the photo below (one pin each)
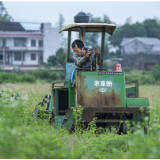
(48, 11)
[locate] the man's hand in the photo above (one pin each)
(96, 51)
(89, 52)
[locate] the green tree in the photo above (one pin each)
(155, 72)
(127, 30)
(139, 30)
(149, 28)
(59, 58)
(4, 16)
(152, 28)
(59, 24)
(157, 20)
(53, 59)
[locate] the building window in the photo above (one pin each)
(33, 56)
(33, 43)
(2, 42)
(40, 43)
(18, 56)
(19, 42)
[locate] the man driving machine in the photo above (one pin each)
(82, 55)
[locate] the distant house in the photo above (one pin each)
(28, 48)
(140, 52)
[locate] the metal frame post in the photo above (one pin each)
(137, 88)
(96, 62)
(82, 34)
(56, 102)
(102, 46)
(68, 44)
(90, 56)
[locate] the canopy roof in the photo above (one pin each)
(90, 27)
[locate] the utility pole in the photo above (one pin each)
(3, 48)
(22, 56)
(39, 59)
(3, 59)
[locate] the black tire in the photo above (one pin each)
(145, 130)
(124, 128)
(120, 129)
(133, 129)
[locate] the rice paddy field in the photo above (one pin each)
(22, 136)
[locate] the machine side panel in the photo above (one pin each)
(100, 90)
(137, 102)
(71, 97)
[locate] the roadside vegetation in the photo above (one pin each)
(39, 75)
(48, 76)
(22, 136)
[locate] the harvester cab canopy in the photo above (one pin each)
(90, 27)
(83, 26)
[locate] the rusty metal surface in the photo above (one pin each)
(89, 113)
(91, 97)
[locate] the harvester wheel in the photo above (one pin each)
(132, 129)
(120, 129)
(145, 130)
(124, 128)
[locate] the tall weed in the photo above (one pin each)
(22, 136)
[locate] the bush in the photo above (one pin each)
(55, 76)
(9, 77)
(133, 76)
(147, 80)
(28, 78)
(32, 76)
(126, 69)
(62, 75)
(156, 72)
(40, 73)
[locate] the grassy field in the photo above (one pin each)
(22, 136)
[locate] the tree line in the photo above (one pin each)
(147, 28)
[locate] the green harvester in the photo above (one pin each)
(101, 93)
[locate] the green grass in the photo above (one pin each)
(22, 136)
(32, 76)
(48, 76)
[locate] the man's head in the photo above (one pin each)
(78, 47)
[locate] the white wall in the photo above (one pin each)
(9, 42)
(27, 60)
(51, 41)
(50, 37)
(27, 50)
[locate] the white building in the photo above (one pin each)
(19, 47)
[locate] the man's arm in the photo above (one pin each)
(98, 55)
(80, 61)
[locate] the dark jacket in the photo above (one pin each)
(84, 62)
